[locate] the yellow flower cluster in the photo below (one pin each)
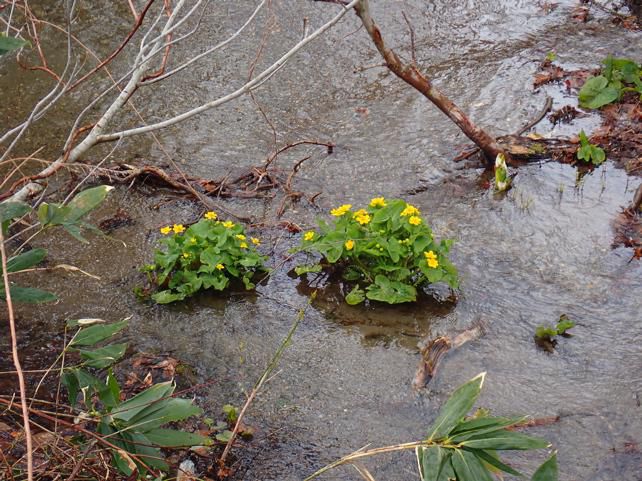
(255, 241)
(378, 202)
(349, 244)
(210, 215)
(309, 235)
(410, 210)
(240, 237)
(431, 259)
(339, 211)
(414, 220)
(177, 228)
(362, 217)
(228, 224)
(220, 267)
(243, 245)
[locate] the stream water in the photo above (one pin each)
(525, 258)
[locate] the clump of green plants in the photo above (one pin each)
(588, 152)
(205, 255)
(545, 335)
(618, 76)
(386, 251)
(464, 448)
(132, 428)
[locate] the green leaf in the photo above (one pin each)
(144, 400)
(432, 463)
(142, 447)
(505, 440)
(165, 411)
(109, 393)
(468, 467)
(86, 201)
(457, 406)
(299, 270)
(28, 295)
(392, 292)
(547, 471)
(356, 296)
(13, 210)
(89, 336)
(564, 324)
(26, 260)
(167, 297)
(495, 462)
(597, 92)
(231, 413)
(70, 381)
(224, 437)
(171, 438)
(477, 427)
(104, 356)
(8, 44)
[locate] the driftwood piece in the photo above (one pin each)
(433, 351)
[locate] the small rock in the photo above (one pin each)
(186, 471)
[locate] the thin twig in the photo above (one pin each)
(266, 374)
(16, 359)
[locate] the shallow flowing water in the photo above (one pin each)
(525, 258)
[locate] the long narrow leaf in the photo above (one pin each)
(163, 412)
(88, 336)
(468, 467)
(130, 408)
(26, 260)
(505, 440)
(476, 429)
(461, 401)
(28, 295)
(547, 471)
(86, 201)
(104, 356)
(495, 462)
(172, 438)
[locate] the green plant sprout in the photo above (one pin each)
(385, 251)
(550, 332)
(618, 76)
(205, 255)
(589, 152)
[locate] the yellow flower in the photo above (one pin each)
(178, 228)
(410, 210)
(186, 255)
(339, 211)
(378, 202)
(309, 235)
(431, 259)
(166, 230)
(192, 240)
(243, 245)
(240, 236)
(349, 244)
(362, 217)
(210, 215)
(255, 241)
(414, 220)
(228, 224)
(220, 267)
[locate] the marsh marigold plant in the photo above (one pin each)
(205, 255)
(386, 251)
